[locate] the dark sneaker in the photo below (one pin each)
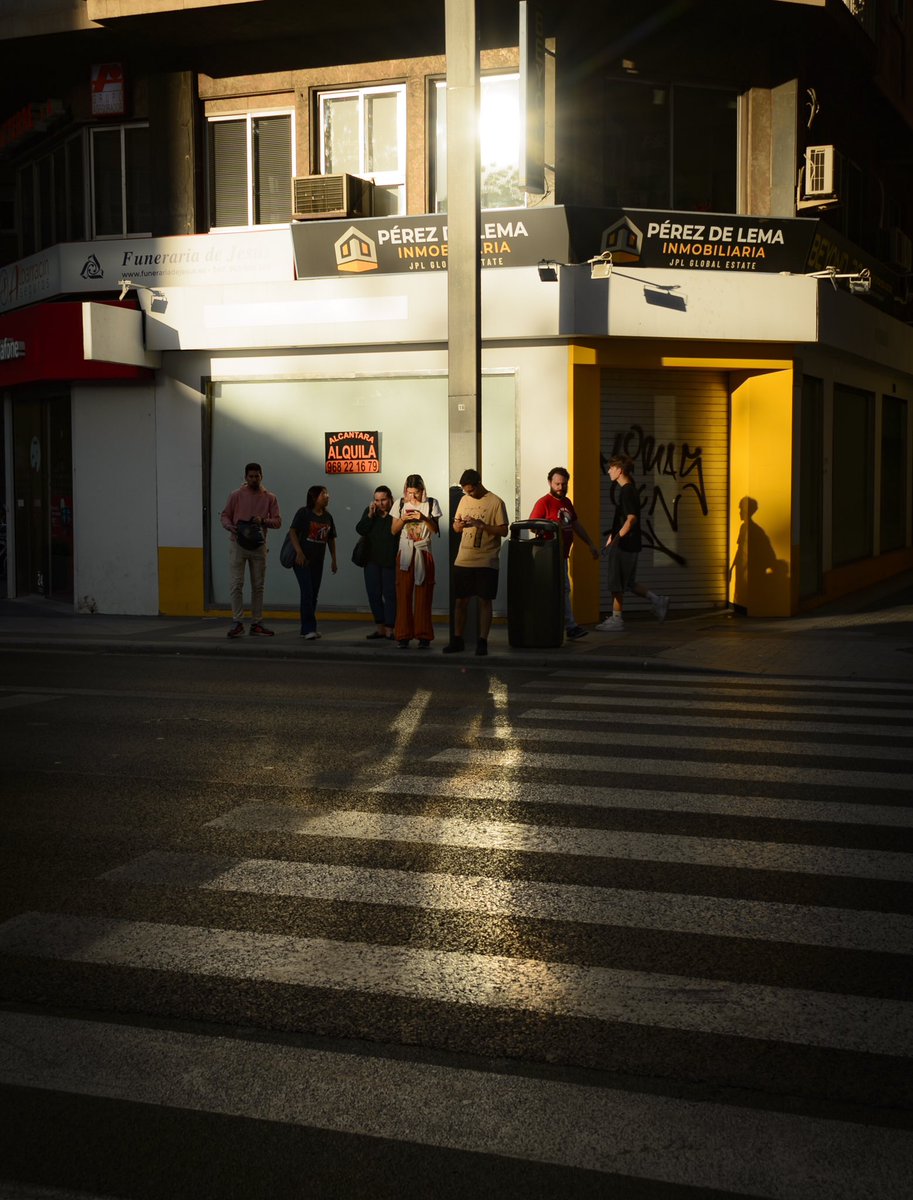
(454, 646)
(236, 630)
(424, 644)
(482, 647)
(403, 643)
(258, 630)
(575, 634)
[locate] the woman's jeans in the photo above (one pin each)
(309, 577)
(380, 584)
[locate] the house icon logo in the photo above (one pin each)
(355, 251)
(624, 240)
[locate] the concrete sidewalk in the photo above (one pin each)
(868, 636)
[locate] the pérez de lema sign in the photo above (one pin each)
(353, 453)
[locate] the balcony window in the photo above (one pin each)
(250, 170)
(499, 143)
(52, 197)
(121, 181)
(363, 132)
(670, 146)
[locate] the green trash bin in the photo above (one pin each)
(535, 585)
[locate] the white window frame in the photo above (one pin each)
(248, 117)
(395, 178)
(125, 233)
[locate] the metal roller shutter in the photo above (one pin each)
(675, 425)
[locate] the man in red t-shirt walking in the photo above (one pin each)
(557, 507)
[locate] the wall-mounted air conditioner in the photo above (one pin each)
(820, 166)
(901, 249)
(316, 197)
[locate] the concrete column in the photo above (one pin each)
(464, 362)
(173, 153)
(464, 353)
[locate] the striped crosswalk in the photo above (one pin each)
(696, 892)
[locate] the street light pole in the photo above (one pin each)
(464, 354)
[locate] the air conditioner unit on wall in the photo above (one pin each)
(316, 197)
(901, 249)
(820, 163)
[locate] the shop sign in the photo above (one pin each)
(830, 249)
(186, 259)
(353, 453)
(32, 119)
(30, 279)
(393, 245)
(108, 98)
(45, 342)
(693, 241)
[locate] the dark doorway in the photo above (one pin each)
(43, 496)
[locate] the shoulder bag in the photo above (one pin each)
(288, 553)
(361, 552)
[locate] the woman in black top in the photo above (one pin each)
(376, 525)
(311, 531)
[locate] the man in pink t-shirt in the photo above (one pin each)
(557, 507)
(251, 504)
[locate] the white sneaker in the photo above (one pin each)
(611, 625)
(660, 608)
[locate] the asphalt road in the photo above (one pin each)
(281, 929)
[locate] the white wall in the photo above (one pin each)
(179, 449)
(538, 373)
(542, 412)
(114, 498)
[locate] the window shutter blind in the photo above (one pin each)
(228, 173)
(272, 170)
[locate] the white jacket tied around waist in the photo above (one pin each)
(415, 536)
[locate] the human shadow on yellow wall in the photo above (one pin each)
(757, 574)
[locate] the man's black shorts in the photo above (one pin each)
(475, 581)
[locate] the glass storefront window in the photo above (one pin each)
(894, 501)
(853, 475)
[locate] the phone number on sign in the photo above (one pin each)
(356, 466)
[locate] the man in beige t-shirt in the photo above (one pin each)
(481, 518)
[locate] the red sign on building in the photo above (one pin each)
(108, 99)
(353, 453)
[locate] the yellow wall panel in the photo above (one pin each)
(761, 500)
(181, 581)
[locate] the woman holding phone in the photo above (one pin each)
(415, 522)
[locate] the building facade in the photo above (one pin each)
(224, 238)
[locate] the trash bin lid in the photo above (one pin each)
(537, 526)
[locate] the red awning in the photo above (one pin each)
(45, 343)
